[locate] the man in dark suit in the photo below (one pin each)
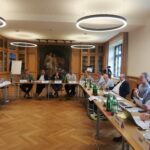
(122, 88)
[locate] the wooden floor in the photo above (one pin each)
(51, 125)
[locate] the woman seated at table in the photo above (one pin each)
(56, 86)
(142, 93)
(41, 77)
(26, 87)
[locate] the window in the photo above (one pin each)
(117, 60)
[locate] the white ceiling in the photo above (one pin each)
(55, 19)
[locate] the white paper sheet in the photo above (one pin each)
(72, 82)
(5, 83)
(98, 98)
(134, 109)
(143, 124)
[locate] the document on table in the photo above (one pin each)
(5, 83)
(98, 98)
(134, 109)
(119, 98)
(125, 105)
(145, 125)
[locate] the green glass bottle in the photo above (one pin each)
(90, 84)
(109, 103)
(114, 105)
(94, 90)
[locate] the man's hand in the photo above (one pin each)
(145, 117)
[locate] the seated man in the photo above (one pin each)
(56, 87)
(70, 88)
(142, 93)
(41, 77)
(4, 93)
(122, 88)
(26, 87)
(100, 80)
(86, 77)
(108, 83)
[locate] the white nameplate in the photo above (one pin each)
(57, 81)
(44, 81)
(72, 82)
(23, 81)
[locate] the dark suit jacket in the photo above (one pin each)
(124, 89)
(45, 77)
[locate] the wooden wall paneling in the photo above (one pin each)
(105, 54)
(133, 81)
(124, 53)
(76, 62)
(32, 61)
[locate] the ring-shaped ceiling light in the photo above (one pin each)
(100, 17)
(2, 22)
(81, 46)
(23, 44)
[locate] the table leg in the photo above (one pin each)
(48, 85)
(125, 145)
(88, 106)
(15, 92)
(98, 125)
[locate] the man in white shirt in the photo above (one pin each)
(100, 80)
(122, 88)
(41, 77)
(70, 87)
(108, 83)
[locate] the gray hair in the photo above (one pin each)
(146, 75)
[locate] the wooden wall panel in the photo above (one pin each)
(32, 61)
(76, 62)
(133, 81)
(105, 55)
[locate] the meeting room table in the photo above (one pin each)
(129, 131)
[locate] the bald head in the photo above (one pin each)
(122, 77)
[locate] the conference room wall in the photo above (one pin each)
(139, 51)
